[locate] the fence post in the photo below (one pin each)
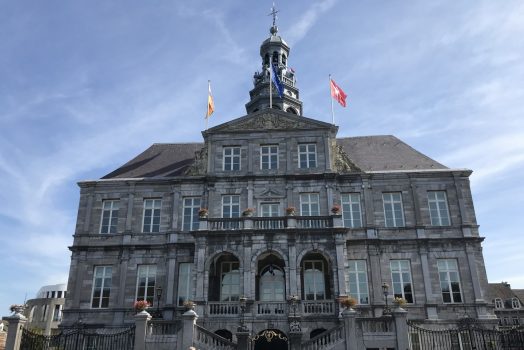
(350, 329)
(141, 320)
(401, 328)
(14, 332)
(188, 328)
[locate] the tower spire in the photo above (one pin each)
(274, 51)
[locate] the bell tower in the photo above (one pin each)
(276, 51)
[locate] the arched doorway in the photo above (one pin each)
(270, 339)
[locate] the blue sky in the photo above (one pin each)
(87, 85)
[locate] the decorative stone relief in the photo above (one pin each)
(199, 166)
(341, 161)
(268, 121)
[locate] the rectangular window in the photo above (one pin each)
(59, 294)
(309, 204)
(358, 281)
(231, 206)
(152, 215)
(314, 280)
(351, 213)
(498, 303)
(109, 220)
(393, 211)
(307, 155)
(145, 283)
(57, 313)
(438, 208)
(269, 157)
(515, 304)
(230, 281)
(231, 158)
(190, 218)
(269, 209)
(401, 279)
(184, 282)
(449, 280)
(101, 287)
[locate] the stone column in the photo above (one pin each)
(14, 333)
(188, 328)
(243, 340)
(295, 340)
(141, 320)
(292, 256)
(340, 241)
(401, 328)
(350, 330)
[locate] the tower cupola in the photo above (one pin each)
(274, 50)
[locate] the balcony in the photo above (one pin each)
(273, 308)
(270, 223)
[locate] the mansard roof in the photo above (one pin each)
(369, 153)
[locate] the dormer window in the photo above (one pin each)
(515, 303)
(498, 303)
(231, 158)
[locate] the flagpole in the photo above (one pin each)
(332, 109)
(208, 92)
(270, 83)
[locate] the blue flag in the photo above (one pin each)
(276, 81)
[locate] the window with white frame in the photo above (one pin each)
(516, 321)
(269, 209)
(351, 213)
(230, 206)
(449, 280)
(231, 158)
(151, 215)
(515, 303)
(358, 281)
(184, 282)
(109, 219)
(101, 287)
(307, 155)
(145, 283)
(393, 211)
(230, 281)
(499, 304)
(438, 208)
(190, 219)
(268, 157)
(401, 280)
(314, 280)
(309, 204)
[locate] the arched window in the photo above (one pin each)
(224, 278)
(315, 277)
(275, 57)
(224, 333)
(291, 110)
(284, 59)
(272, 284)
(316, 332)
(266, 59)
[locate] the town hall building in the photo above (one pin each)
(270, 220)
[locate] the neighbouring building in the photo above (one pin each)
(271, 242)
(507, 304)
(44, 313)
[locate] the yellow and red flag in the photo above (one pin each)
(210, 103)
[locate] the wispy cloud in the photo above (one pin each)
(308, 19)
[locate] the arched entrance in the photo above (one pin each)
(270, 339)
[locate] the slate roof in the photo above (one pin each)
(369, 153)
(499, 290)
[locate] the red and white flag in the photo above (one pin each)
(337, 93)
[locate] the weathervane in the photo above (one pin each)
(274, 14)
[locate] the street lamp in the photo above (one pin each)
(385, 291)
(158, 296)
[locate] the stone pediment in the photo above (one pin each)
(270, 120)
(269, 194)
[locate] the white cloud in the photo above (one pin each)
(302, 26)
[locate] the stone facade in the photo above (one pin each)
(249, 267)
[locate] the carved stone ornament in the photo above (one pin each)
(269, 194)
(341, 161)
(294, 326)
(268, 121)
(199, 166)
